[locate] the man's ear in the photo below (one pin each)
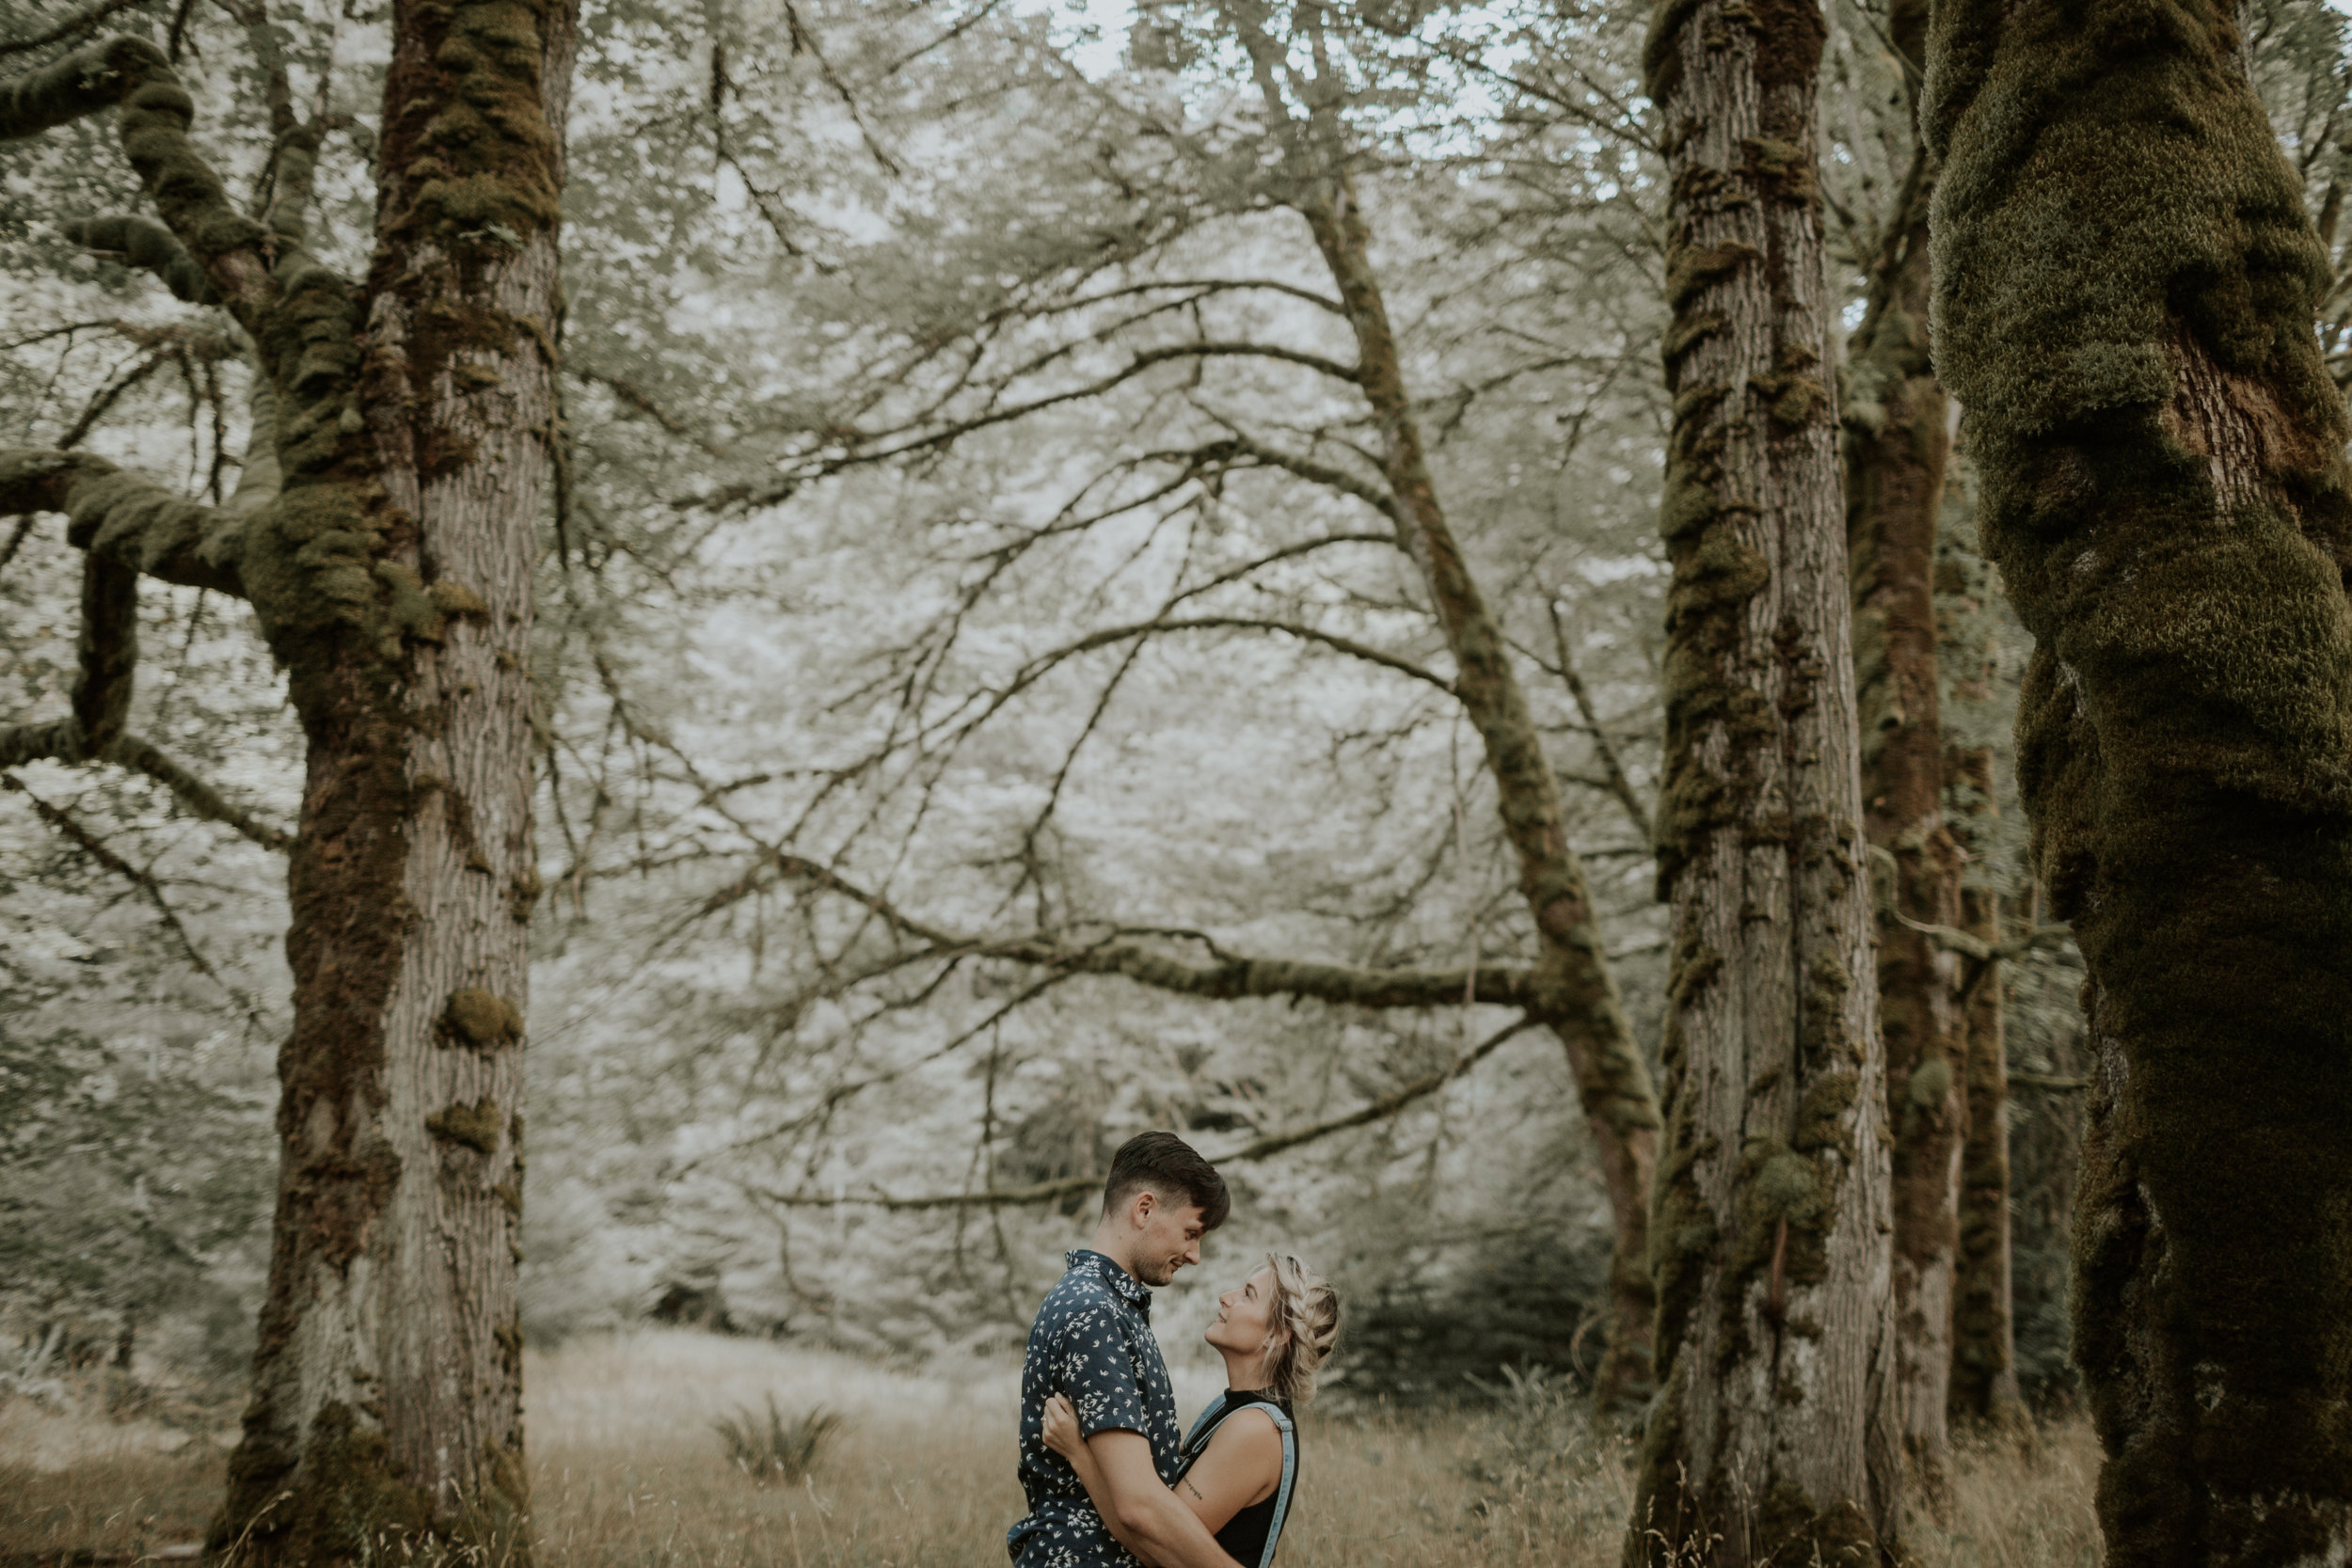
(1140, 1210)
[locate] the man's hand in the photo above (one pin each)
(1061, 1427)
(1144, 1510)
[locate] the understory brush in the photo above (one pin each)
(918, 1471)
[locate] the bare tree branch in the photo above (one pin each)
(1129, 953)
(97, 849)
(1249, 622)
(1049, 1192)
(74, 26)
(1614, 774)
(142, 755)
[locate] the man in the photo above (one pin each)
(1092, 1342)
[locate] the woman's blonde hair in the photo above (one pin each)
(1306, 1313)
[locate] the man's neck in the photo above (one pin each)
(1113, 1247)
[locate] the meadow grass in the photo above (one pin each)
(629, 1472)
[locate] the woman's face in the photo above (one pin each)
(1245, 1317)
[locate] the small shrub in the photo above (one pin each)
(777, 1450)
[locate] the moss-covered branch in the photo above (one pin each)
(109, 653)
(135, 241)
(157, 112)
(126, 517)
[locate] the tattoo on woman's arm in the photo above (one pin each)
(1193, 1490)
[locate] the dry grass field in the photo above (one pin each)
(630, 1474)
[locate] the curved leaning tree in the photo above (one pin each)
(384, 531)
(2125, 289)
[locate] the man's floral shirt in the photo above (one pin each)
(1092, 1340)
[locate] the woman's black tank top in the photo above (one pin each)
(1247, 1534)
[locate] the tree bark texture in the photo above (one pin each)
(1984, 1384)
(2127, 283)
(389, 1383)
(1774, 1436)
(384, 533)
(1896, 449)
(1573, 990)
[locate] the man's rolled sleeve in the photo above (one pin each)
(1091, 1366)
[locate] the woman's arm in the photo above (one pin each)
(1063, 1438)
(1242, 1464)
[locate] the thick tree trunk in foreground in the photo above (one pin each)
(384, 533)
(2126, 281)
(1573, 990)
(388, 1385)
(1774, 1429)
(1895, 450)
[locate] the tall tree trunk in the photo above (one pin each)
(384, 531)
(387, 1392)
(1895, 450)
(2126, 280)
(1984, 1350)
(1775, 1427)
(1575, 991)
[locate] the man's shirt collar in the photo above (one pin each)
(1130, 1289)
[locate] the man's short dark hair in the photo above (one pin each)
(1171, 1167)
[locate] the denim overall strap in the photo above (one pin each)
(1205, 1428)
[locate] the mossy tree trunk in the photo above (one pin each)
(1775, 1431)
(1984, 1347)
(1573, 990)
(384, 533)
(2126, 280)
(1896, 449)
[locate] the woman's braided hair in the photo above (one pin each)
(1307, 1315)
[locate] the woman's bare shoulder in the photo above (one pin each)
(1249, 1433)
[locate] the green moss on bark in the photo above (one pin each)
(480, 1019)
(475, 1125)
(340, 1501)
(2126, 282)
(345, 1501)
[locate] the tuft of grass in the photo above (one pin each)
(779, 1450)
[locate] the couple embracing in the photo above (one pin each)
(1108, 1480)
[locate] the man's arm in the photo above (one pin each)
(1081, 1459)
(1147, 1518)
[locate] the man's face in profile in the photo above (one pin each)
(1168, 1238)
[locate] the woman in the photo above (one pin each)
(1240, 1463)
